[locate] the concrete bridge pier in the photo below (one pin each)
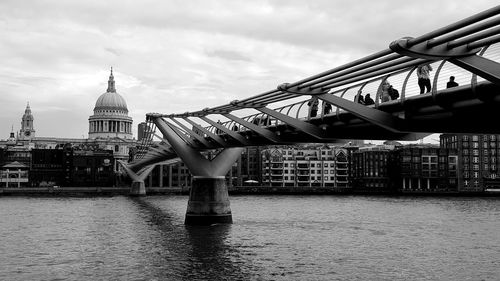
(138, 188)
(208, 202)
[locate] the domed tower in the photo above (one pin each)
(110, 119)
(27, 130)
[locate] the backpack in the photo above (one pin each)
(393, 93)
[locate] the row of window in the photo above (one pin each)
(314, 178)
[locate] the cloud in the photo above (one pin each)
(180, 55)
(228, 55)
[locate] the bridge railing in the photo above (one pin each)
(405, 81)
(397, 64)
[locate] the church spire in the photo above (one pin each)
(111, 83)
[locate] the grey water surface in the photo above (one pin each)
(272, 238)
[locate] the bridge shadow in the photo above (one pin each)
(182, 252)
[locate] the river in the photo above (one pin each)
(272, 238)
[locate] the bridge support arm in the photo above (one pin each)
(138, 188)
(305, 127)
(208, 199)
(233, 134)
(213, 136)
(488, 69)
(259, 130)
(374, 116)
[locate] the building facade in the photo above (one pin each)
(320, 166)
(427, 168)
(478, 157)
(373, 169)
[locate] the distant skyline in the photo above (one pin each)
(177, 56)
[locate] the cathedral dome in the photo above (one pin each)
(111, 100)
(110, 119)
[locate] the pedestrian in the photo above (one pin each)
(369, 100)
(451, 83)
(424, 81)
(359, 98)
(327, 108)
(313, 106)
(384, 93)
(393, 93)
(217, 130)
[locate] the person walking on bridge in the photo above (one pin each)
(359, 98)
(451, 83)
(369, 100)
(424, 80)
(313, 106)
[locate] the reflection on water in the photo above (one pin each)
(273, 238)
(198, 252)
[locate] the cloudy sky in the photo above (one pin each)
(174, 56)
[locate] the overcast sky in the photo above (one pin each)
(174, 56)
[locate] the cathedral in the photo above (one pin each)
(110, 119)
(110, 128)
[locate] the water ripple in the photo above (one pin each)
(273, 238)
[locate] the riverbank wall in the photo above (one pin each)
(239, 190)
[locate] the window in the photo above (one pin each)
(452, 159)
(117, 148)
(475, 138)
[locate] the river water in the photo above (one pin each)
(272, 238)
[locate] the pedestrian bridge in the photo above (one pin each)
(468, 50)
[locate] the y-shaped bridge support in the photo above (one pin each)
(208, 199)
(138, 188)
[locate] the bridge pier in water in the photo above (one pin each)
(208, 202)
(208, 199)
(138, 188)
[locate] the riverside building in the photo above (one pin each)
(309, 166)
(373, 169)
(478, 158)
(427, 168)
